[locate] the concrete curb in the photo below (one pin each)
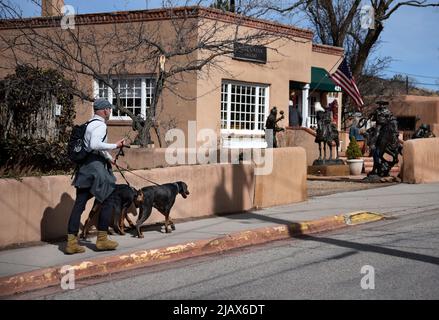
(52, 276)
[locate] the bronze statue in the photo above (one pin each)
(273, 128)
(382, 139)
(326, 133)
(424, 131)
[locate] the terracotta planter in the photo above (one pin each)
(355, 166)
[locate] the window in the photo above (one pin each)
(135, 95)
(333, 95)
(406, 123)
(312, 112)
(244, 107)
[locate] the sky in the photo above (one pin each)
(410, 36)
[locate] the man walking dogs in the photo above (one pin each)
(94, 178)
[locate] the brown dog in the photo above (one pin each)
(123, 197)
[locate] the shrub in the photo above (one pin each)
(34, 139)
(353, 151)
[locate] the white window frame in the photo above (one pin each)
(246, 132)
(143, 96)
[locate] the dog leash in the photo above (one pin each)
(120, 167)
(121, 153)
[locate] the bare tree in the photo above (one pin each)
(176, 47)
(337, 23)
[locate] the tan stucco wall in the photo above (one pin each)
(198, 94)
(300, 137)
(426, 108)
(149, 158)
(421, 161)
(287, 181)
(38, 208)
(176, 105)
(329, 62)
(291, 61)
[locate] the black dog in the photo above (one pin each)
(122, 198)
(162, 198)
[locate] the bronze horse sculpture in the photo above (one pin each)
(326, 134)
(382, 140)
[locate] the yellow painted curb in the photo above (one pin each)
(360, 217)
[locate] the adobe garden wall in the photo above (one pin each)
(421, 160)
(38, 208)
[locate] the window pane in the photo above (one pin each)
(247, 106)
(130, 93)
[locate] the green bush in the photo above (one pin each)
(25, 100)
(353, 151)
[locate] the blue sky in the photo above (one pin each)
(410, 36)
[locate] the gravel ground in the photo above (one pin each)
(321, 188)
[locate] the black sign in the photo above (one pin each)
(250, 53)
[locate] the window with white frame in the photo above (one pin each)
(244, 107)
(135, 94)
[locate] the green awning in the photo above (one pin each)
(321, 81)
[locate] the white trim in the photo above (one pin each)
(305, 92)
(95, 88)
(267, 105)
(245, 138)
(229, 102)
(239, 132)
(244, 143)
(256, 112)
(143, 97)
(143, 101)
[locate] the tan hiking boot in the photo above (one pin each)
(102, 243)
(72, 246)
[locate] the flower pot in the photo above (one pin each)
(355, 166)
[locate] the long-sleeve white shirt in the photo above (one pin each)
(95, 133)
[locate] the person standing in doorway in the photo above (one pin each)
(294, 115)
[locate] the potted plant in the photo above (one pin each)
(353, 153)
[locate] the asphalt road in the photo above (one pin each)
(403, 252)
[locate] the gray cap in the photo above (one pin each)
(101, 104)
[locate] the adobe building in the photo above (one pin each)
(234, 100)
(412, 111)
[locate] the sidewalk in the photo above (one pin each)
(223, 232)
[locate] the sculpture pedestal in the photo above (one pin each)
(329, 170)
(328, 162)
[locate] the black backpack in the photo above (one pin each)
(76, 150)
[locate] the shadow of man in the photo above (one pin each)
(53, 226)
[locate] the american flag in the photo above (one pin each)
(343, 77)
